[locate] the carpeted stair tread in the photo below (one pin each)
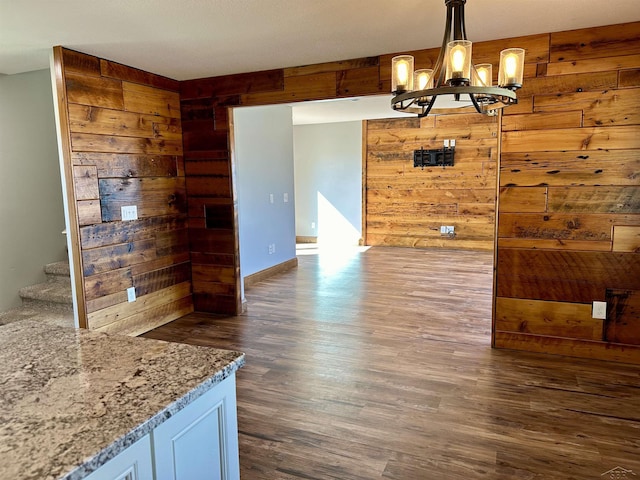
(53, 292)
(57, 269)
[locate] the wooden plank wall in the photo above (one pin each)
(406, 206)
(569, 214)
(207, 140)
(123, 137)
(568, 207)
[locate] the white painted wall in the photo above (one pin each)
(31, 213)
(264, 166)
(328, 181)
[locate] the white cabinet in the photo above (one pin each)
(134, 463)
(200, 442)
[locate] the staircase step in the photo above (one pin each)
(55, 293)
(58, 271)
(59, 318)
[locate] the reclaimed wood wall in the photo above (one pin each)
(569, 206)
(568, 214)
(406, 206)
(122, 145)
(568, 211)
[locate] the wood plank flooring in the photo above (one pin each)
(377, 365)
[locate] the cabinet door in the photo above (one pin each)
(134, 463)
(200, 441)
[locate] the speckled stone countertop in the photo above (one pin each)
(72, 399)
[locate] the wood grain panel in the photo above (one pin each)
(242, 83)
(85, 142)
(155, 280)
(125, 232)
(134, 75)
(580, 82)
(114, 281)
(565, 276)
(209, 186)
(594, 65)
(518, 199)
(300, 88)
(629, 78)
(564, 346)
(96, 91)
(558, 319)
(86, 182)
(555, 244)
(562, 226)
(626, 238)
(623, 316)
(116, 312)
(596, 138)
(216, 167)
(345, 65)
(594, 199)
(113, 165)
(570, 168)
(606, 41)
(87, 119)
(89, 212)
(153, 196)
(149, 100)
(80, 63)
(542, 121)
(149, 319)
(356, 82)
(603, 108)
(105, 259)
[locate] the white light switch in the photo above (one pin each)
(131, 294)
(286, 197)
(271, 198)
(129, 212)
(599, 310)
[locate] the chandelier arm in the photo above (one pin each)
(463, 27)
(427, 109)
(475, 103)
(458, 22)
(445, 39)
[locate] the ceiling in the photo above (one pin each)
(185, 39)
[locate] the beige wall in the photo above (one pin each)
(31, 215)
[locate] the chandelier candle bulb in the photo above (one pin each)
(484, 75)
(423, 79)
(458, 62)
(402, 79)
(511, 68)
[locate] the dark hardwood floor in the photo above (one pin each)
(378, 365)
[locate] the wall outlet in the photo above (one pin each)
(131, 294)
(313, 225)
(447, 230)
(129, 212)
(599, 310)
(271, 198)
(272, 248)
(286, 198)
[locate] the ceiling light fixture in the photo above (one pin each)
(454, 74)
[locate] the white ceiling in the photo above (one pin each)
(185, 39)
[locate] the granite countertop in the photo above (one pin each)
(72, 399)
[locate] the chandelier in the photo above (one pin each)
(454, 77)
